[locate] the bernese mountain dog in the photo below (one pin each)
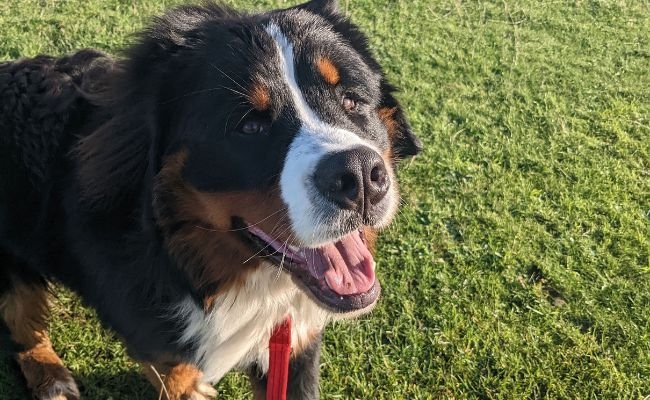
(230, 170)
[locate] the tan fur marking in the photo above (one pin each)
(41, 367)
(386, 116)
(260, 97)
(181, 382)
(328, 70)
(25, 311)
(371, 237)
(213, 255)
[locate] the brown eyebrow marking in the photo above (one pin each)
(260, 97)
(328, 70)
(387, 116)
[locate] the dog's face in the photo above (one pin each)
(279, 136)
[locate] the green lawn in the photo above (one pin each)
(519, 266)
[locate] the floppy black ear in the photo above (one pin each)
(404, 143)
(118, 159)
(322, 7)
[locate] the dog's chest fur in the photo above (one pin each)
(235, 333)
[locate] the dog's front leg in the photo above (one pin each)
(180, 382)
(303, 374)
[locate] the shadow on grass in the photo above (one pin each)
(98, 385)
(121, 385)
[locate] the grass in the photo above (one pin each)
(519, 266)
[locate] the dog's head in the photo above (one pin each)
(270, 137)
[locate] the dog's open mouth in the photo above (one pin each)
(340, 274)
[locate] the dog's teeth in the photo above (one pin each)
(328, 282)
(373, 265)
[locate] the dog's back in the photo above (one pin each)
(42, 106)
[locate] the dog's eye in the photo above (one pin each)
(253, 127)
(349, 104)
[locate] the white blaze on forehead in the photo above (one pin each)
(287, 67)
(315, 139)
(308, 117)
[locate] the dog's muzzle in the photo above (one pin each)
(356, 180)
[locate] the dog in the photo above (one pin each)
(230, 170)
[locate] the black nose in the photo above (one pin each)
(354, 179)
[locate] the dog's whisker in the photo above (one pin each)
(243, 117)
(244, 95)
(277, 276)
(260, 251)
(206, 90)
(240, 229)
(193, 93)
(228, 76)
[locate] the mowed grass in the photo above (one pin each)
(519, 265)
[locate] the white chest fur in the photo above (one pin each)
(235, 333)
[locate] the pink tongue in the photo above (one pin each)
(346, 264)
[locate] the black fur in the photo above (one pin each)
(82, 138)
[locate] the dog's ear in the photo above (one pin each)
(322, 7)
(120, 157)
(404, 143)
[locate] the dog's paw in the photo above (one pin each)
(57, 386)
(58, 390)
(47, 378)
(61, 387)
(203, 391)
(181, 382)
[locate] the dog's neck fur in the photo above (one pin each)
(235, 332)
